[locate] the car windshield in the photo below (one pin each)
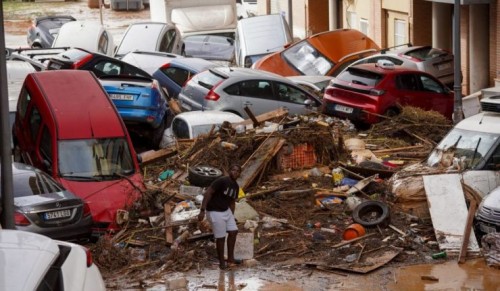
(307, 60)
(91, 158)
(469, 146)
(426, 53)
(360, 77)
(34, 183)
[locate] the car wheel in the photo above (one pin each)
(158, 134)
(371, 214)
(391, 112)
(203, 176)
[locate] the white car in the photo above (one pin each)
(189, 125)
(32, 261)
(91, 36)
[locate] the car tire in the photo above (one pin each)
(157, 134)
(203, 176)
(371, 214)
(391, 112)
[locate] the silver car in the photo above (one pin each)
(233, 88)
(43, 206)
(435, 61)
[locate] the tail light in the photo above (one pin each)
(86, 209)
(90, 261)
(329, 91)
(81, 61)
(165, 66)
(155, 85)
(376, 92)
(20, 219)
(212, 96)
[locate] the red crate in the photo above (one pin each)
(302, 156)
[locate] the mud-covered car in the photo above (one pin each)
(44, 29)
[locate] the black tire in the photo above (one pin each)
(391, 112)
(157, 134)
(203, 176)
(371, 214)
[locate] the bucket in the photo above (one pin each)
(353, 231)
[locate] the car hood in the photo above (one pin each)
(106, 197)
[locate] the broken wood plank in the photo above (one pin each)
(468, 226)
(341, 244)
(250, 114)
(152, 156)
(408, 148)
(167, 210)
(264, 192)
(278, 113)
(261, 156)
(397, 230)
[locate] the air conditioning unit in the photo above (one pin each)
(491, 103)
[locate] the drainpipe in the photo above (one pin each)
(332, 14)
(290, 17)
(457, 86)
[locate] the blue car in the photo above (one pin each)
(175, 72)
(141, 103)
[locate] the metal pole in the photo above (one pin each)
(290, 17)
(457, 86)
(7, 205)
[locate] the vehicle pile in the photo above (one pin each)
(297, 211)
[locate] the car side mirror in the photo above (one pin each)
(308, 102)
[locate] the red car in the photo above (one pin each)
(382, 89)
(67, 126)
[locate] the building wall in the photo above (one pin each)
(420, 30)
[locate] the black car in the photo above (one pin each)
(43, 206)
(44, 29)
(101, 65)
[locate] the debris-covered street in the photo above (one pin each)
(324, 204)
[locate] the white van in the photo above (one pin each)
(197, 16)
(91, 36)
(258, 36)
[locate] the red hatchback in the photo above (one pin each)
(363, 92)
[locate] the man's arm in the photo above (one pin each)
(207, 196)
(232, 206)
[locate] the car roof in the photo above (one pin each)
(196, 64)
(28, 257)
(483, 122)
(79, 104)
(195, 118)
(247, 72)
(310, 78)
(372, 67)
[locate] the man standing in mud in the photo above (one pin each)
(219, 201)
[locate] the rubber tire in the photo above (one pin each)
(366, 207)
(202, 175)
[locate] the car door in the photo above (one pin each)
(438, 95)
(258, 96)
(294, 99)
(27, 127)
(173, 78)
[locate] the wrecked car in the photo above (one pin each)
(79, 139)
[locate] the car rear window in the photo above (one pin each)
(207, 79)
(34, 183)
(360, 77)
(426, 53)
(74, 55)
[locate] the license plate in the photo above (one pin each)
(343, 108)
(486, 228)
(57, 214)
(444, 66)
(121, 97)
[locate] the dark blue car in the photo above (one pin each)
(141, 103)
(177, 71)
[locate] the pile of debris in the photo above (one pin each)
(316, 196)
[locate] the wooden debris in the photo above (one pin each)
(153, 156)
(278, 113)
(341, 244)
(167, 208)
(397, 230)
(468, 227)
